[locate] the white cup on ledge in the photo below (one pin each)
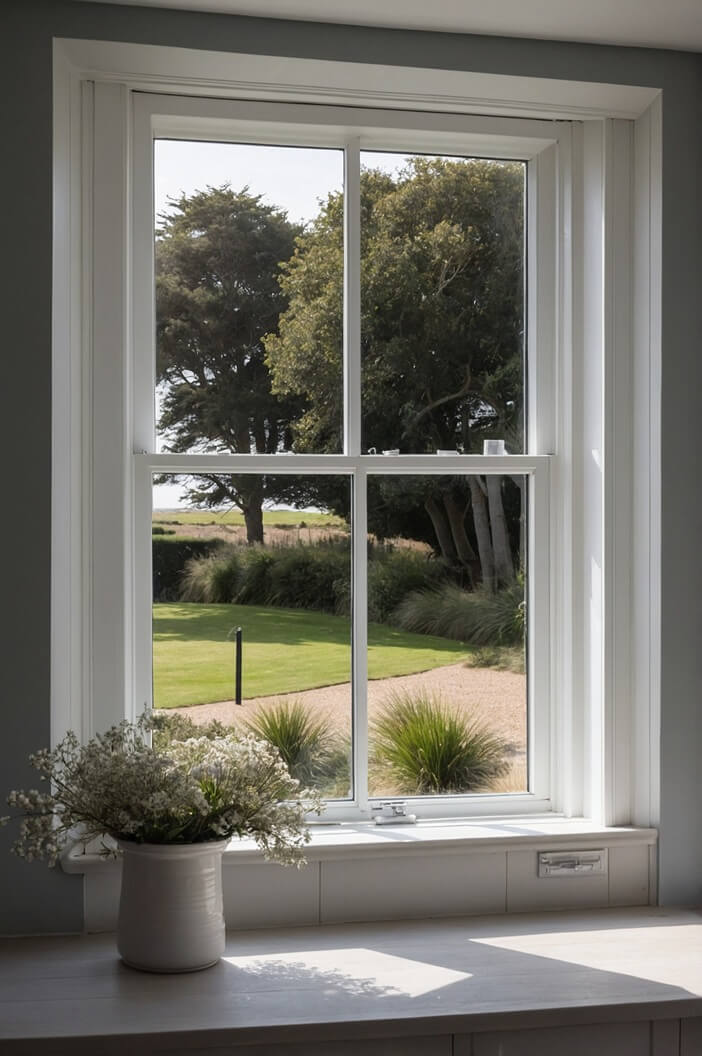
(494, 447)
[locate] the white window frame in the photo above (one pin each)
(353, 130)
(594, 192)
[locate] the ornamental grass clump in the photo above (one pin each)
(429, 749)
(191, 791)
(307, 744)
(480, 617)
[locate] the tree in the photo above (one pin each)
(442, 335)
(218, 259)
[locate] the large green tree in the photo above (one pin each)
(442, 247)
(218, 257)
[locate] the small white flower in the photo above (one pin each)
(196, 790)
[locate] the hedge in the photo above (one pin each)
(170, 554)
(315, 576)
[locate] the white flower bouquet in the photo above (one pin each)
(184, 792)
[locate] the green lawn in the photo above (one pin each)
(282, 518)
(284, 651)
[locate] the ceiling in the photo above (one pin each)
(642, 23)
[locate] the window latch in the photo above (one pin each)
(392, 812)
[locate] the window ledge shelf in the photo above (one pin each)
(362, 840)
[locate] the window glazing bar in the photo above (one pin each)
(352, 297)
(451, 465)
(359, 640)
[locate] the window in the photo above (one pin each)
(360, 310)
(566, 520)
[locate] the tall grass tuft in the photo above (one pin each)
(313, 754)
(478, 617)
(211, 579)
(428, 749)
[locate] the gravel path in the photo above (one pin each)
(496, 698)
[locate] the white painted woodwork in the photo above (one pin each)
(428, 886)
(647, 436)
(270, 895)
(617, 477)
(690, 1037)
(665, 1037)
(352, 130)
(101, 901)
(611, 1039)
(108, 544)
(582, 764)
(638, 23)
(439, 1046)
(613, 982)
(432, 869)
(527, 891)
(629, 876)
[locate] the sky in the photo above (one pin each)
(293, 178)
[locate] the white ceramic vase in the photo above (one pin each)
(170, 910)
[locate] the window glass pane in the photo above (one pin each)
(249, 279)
(289, 594)
(447, 691)
(442, 291)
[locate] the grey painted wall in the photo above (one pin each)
(35, 900)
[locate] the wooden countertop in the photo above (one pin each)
(400, 979)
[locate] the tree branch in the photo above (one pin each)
(463, 391)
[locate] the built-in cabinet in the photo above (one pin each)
(666, 1037)
(646, 1038)
(614, 982)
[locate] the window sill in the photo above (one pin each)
(362, 872)
(362, 840)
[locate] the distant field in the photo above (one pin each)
(285, 518)
(284, 651)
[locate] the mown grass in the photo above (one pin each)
(271, 518)
(284, 651)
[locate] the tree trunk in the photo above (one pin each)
(441, 529)
(252, 508)
(504, 566)
(482, 532)
(521, 484)
(456, 515)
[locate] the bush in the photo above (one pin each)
(297, 577)
(309, 577)
(156, 529)
(313, 754)
(393, 574)
(429, 749)
(171, 554)
(478, 617)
